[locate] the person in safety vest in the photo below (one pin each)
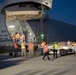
(42, 47)
(46, 51)
(17, 37)
(23, 49)
(16, 48)
(55, 49)
(31, 49)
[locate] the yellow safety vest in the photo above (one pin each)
(55, 46)
(22, 45)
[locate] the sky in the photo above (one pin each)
(1, 0)
(63, 10)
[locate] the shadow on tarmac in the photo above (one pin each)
(7, 61)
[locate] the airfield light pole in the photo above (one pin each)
(42, 26)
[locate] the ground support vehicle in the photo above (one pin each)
(63, 50)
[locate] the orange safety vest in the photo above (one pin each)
(31, 46)
(15, 45)
(43, 44)
(46, 49)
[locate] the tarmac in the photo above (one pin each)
(10, 65)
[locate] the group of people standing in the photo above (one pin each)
(19, 43)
